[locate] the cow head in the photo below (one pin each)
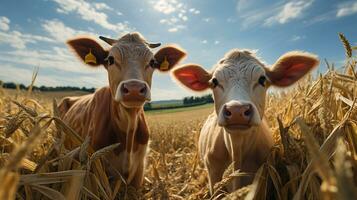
(239, 83)
(130, 64)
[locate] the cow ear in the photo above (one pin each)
(89, 51)
(193, 76)
(167, 57)
(291, 67)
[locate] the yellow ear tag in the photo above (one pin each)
(164, 65)
(90, 58)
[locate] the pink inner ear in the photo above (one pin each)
(292, 74)
(190, 78)
(300, 68)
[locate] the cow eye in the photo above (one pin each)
(153, 63)
(215, 82)
(110, 60)
(262, 81)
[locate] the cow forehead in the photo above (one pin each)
(131, 46)
(131, 50)
(239, 64)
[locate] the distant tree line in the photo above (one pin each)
(147, 106)
(11, 85)
(198, 100)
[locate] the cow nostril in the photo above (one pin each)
(248, 112)
(143, 90)
(125, 90)
(227, 113)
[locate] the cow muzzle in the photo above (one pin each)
(236, 115)
(133, 93)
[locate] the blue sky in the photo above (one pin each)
(34, 33)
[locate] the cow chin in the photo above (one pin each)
(237, 128)
(132, 104)
(133, 101)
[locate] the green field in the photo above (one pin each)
(174, 110)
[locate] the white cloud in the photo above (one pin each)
(322, 18)
(170, 21)
(17, 39)
(183, 17)
(19, 75)
(173, 24)
(340, 10)
(165, 6)
(288, 12)
(295, 38)
(4, 23)
(14, 39)
(216, 42)
(204, 41)
(346, 9)
(176, 28)
(257, 12)
(59, 31)
(102, 6)
(177, 13)
(119, 13)
(59, 58)
(56, 58)
(207, 19)
(88, 11)
(194, 11)
(244, 4)
(12, 73)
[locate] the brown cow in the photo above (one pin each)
(236, 131)
(115, 114)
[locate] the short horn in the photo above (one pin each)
(153, 45)
(108, 40)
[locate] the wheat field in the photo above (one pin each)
(314, 157)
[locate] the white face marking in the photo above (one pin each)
(238, 78)
(131, 58)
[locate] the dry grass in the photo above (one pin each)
(315, 156)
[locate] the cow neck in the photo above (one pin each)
(124, 119)
(258, 143)
(244, 142)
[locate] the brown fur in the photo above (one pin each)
(106, 116)
(99, 117)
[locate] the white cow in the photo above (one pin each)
(236, 131)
